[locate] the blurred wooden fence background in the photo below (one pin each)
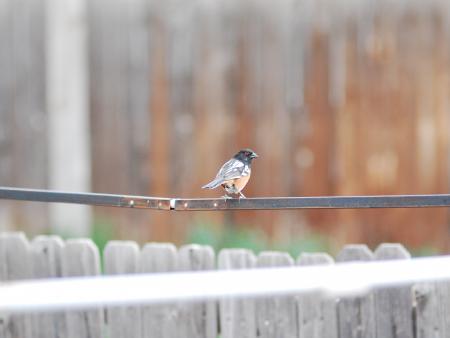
(347, 97)
(420, 310)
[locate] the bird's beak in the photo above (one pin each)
(255, 155)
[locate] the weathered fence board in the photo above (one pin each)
(393, 306)
(276, 316)
(121, 110)
(122, 258)
(393, 312)
(81, 258)
(317, 316)
(432, 309)
(356, 315)
(46, 252)
(159, 321)
(197, 319)
(212, 76)
(237, 316)
(23, 124)
(15, 264)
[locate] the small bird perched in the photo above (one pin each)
(234, 174)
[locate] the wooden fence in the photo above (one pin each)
(419, 310)
(151, 96)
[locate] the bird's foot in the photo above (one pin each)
(227, 197)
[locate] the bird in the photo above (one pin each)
(234, 174)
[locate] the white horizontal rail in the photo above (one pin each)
(335, 280)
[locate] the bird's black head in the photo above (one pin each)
(246, 155)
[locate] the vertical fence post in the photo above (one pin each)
(46, 254)
(121, 257)
(276, 316)
(68, 111)
(159, 320)
(432, 309)
(316, 316)
(197, 319)
(237, 316)
(393, 305)
(356, 315)
(15, 264)
(81, 258)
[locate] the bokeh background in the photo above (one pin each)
(150, 97)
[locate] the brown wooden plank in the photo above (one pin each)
(120, 64)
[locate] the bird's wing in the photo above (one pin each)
(231, 170)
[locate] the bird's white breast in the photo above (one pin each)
(246, 171)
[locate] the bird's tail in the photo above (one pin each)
(213, 184)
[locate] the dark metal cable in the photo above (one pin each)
(267, 203)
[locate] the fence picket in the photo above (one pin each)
(316, 315)
(121, 257)
(81, 258)
(276, 316)
(197, 319)
(393, 306)
(159, 321)
(356, 315)
(15, 264)
(237, 316)
(390, 312)
(46, 258)
(432, 309)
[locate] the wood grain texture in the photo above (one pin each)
(356, 315)
(317, 316)
(276, 316)
(393, 305)
(388, 312)
(338, 100)
(26, 113)
(81, 258)
(432, 309)
(197, 319)
(46, 252)
(119, 56)
(15, 264)
(122, 257)
(237, 316)
(159, 321)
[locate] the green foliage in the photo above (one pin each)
(228, 237)
(232, 236)
(311, 242)
(101, 233)
(424, 251)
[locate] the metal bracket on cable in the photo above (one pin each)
(205, 204)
